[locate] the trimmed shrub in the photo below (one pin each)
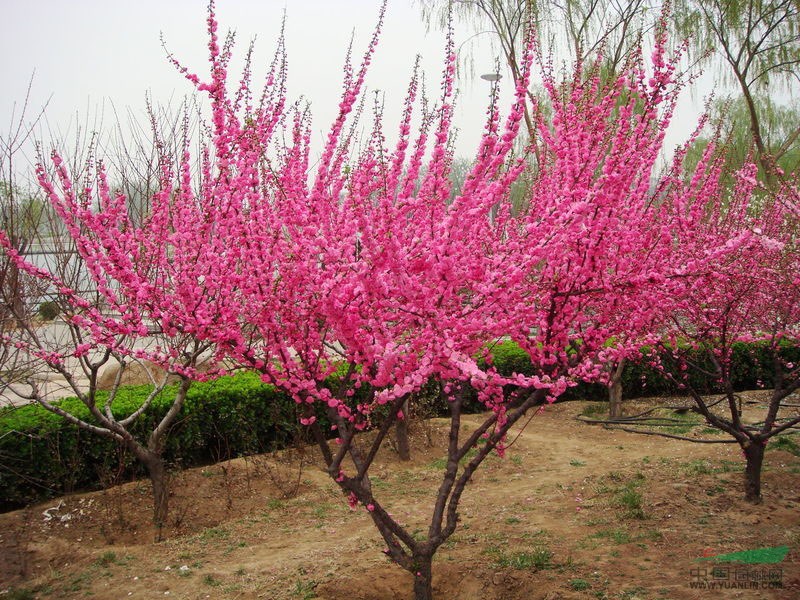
(42, 455)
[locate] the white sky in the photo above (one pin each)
(90, 54)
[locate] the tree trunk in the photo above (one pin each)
(615, 391)
(423, 577)
(401, 434)
(157, 472)
(754, 453)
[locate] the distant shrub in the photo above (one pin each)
(49, 310)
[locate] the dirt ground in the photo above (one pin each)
(573, 511)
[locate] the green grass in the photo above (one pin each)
(688, 421)
(579, 584)
(711, 431)
(214, 533)
(275, 504)
(18, 594)
(538, 557)
(596, 409)
(630, 499)
(107, 559)
(625, 494)
(440, 464)
(305, 590)
(77, 583)
(618, 536)
(706, 467)
(786, 444)
(698, 467)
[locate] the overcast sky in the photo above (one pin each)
(87, 55)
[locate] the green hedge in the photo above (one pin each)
(751, 368)
(41, 455)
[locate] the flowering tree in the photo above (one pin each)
(745, 257)
(124, 294)
(364, 264)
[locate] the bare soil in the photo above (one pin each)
(573, 511)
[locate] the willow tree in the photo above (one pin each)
(757, 45)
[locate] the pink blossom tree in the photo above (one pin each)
(363, 263)
(742, 249)
(124, 291)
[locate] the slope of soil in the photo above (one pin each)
(573, 511)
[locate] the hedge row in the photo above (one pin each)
(751, 368)
(42, 456)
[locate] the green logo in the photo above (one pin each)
(759, 556)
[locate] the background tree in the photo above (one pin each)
(118, 293)
(730, 120)
(747, 293)
(573, 30)
(735, 253)
(22, 214)
(758, 44)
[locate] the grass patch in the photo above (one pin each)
(538, 558)
(275, 504)
(18, 594)
(579, 584)
(625, 493)
(698, 467)
(618, 536)
(711, 431)
(706, 467)
(688, 421)
(631, 500)
(214, 533)
(786, 444)
(305, 590)
(107, 559)
(595, 409)
(440, 464)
